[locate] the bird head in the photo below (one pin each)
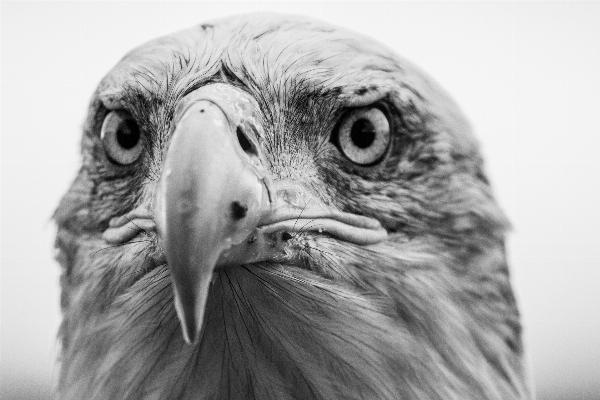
(272, 207)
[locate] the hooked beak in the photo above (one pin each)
(215, 205)
(210, 197)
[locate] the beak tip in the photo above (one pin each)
(190, 318)
(190, 335)
(190, 330)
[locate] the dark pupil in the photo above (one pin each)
(128, 134)
(362, 133)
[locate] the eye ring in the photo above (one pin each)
(364, 135)
(121, 138)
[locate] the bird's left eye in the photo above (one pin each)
(121, 138)
(364, 135)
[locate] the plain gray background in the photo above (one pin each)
(526, 75)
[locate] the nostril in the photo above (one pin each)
(244, 141)
(238, 210)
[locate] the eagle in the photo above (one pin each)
(272, 207)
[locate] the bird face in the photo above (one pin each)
(272, 207)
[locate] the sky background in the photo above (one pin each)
(525, 74)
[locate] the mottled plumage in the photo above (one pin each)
(427, 313)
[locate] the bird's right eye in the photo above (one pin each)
(121, 138)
